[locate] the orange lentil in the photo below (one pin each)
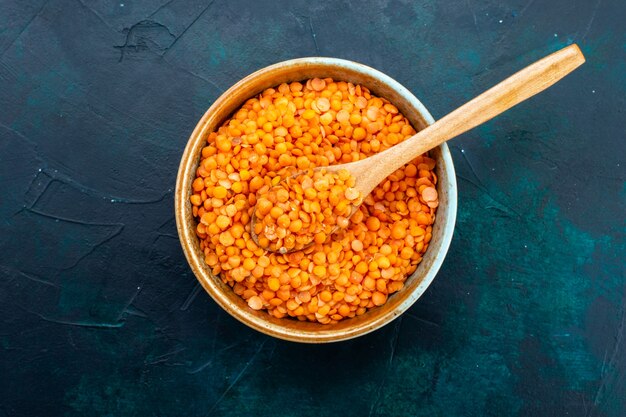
(220, 192)
(273, 227)
(326, 296)
(429, 194)
(298, 127)
(357, 245)
(195, 199)
(373, 223)
(378, 298)
(398, 231)
(255, 302)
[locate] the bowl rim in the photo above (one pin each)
(182, 206)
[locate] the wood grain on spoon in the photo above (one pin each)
(520, 86)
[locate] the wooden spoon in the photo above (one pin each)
(533, 79)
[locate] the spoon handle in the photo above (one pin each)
(522, 85)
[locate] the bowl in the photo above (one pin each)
(415, 285)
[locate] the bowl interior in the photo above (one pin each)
(298, 70)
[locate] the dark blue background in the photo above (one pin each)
(101, 315)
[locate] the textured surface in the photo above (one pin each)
(101, 315)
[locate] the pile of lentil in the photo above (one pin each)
(296, 127)
(304, 209)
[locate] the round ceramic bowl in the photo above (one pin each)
(415, 285)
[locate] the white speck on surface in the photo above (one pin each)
(121, 4)
(555, 35)
(593, 91)
(526, 246)
(500, 21)
(112, 200)
(40, 168)
(463, 150)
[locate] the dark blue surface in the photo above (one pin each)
(102, 316)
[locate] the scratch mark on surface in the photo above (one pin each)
(9, 70)
(162, 235)
(201, 367)
(169, 222)
(297, 20)
(208, 363)
(604, 361)
(393, 345)
(593, 16)
(474, 183)
(233, 345)
(130, 302)
(41, 192)
(471, 167)
(313, 35)
(378, 393)
(605, 374)
(80, 323)
(96, 14)
(66, 219)
(198, 76)
(469, 6)
(32, 277)
(24, 29)
(192, 296)
(500, 209)
(521, 13)
(134, 311)
(272, 351)
(93, 248)
(584, 401)
(394, 340)
(238, 377)
(171, 236)
(530, 2)
(56, 176)
(37, 279)
(21, 135)
(432, 323)
(215, 331)
(70, 339)
(479, 184)
(187, 28)
(167, 3)
(165, 357)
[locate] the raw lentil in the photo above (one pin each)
(327, 197)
